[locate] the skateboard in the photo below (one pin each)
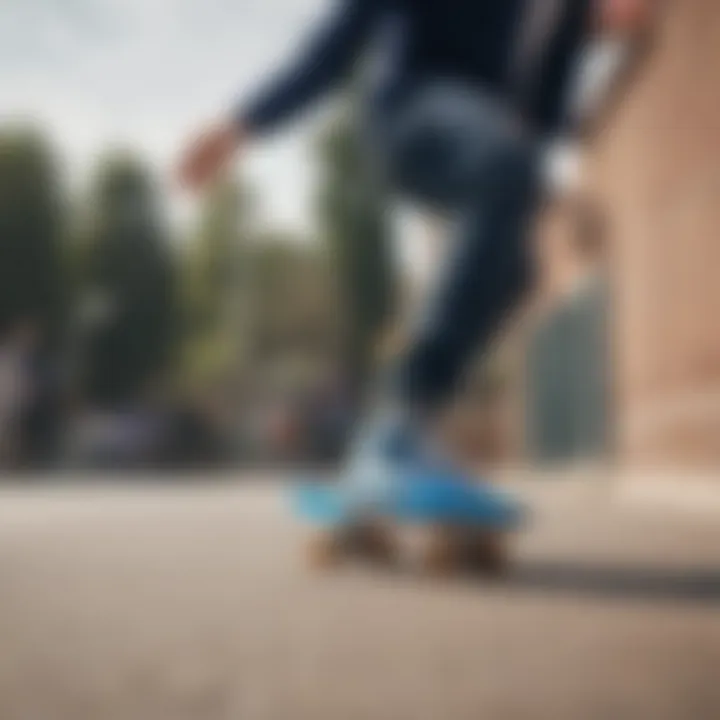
(433, 525)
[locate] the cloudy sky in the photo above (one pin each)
(144, 73)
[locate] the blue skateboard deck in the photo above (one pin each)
(417, 501)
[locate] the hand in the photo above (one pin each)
(209, 154)
(625, 17)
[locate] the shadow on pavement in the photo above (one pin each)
(625, 582)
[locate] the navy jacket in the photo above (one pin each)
(467, 40)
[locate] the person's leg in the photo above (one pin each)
(457, 150)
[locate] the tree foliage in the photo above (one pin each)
(353, 227)
(216, 285)
(294, 311)
(130, 265)
(31, 279)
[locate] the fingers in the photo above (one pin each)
(202, 161)
(625, 16)
(207, 157)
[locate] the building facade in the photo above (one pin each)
(656, 168)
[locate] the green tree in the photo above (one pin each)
(352, 217)
(293, 308)
(31, 269)
(217, 286)
(130, 265)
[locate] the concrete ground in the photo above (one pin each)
(144, 602)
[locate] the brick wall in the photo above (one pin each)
(657, 167)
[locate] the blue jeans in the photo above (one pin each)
(453, 149)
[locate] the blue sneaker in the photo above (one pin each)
(377, 465)
(394, 472)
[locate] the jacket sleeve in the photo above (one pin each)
(326, 58)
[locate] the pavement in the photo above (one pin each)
(151, 601)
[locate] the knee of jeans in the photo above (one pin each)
(514, 166)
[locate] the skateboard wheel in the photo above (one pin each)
(488, 554)
(330, 547)
(443, 553)
(374, 542)
(324, 550)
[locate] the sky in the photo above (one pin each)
(146, 73)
